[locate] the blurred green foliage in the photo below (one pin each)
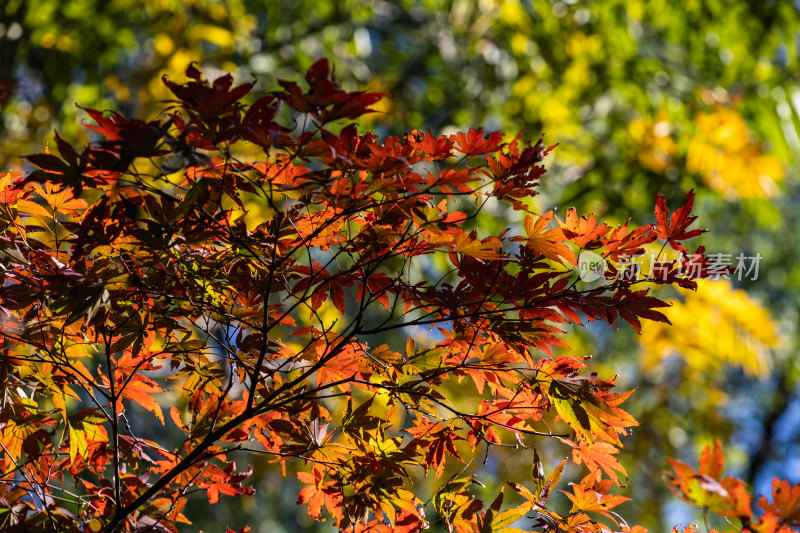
(642, 97)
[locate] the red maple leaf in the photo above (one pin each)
(673, 228)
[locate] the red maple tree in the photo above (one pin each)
(253, 265)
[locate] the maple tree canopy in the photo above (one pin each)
(250, 265)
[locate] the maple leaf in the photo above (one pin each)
(218, 481)
(377, 286)
(631, 305)
(68, 170)
(125, 141)
(324, 91)
(621, 243)
(468, 244)
(544, 241)
(454, 502)
(597, 456)
(785, 502)
(706, 487)
(208, 102)
(11, 189)
(588, 407)
(437, 440)
(584, 232)
(15, 435)
(712, 461)
(437, 148)
(588, 500)
(673, 228)
(475, 143)
(83, 429)
(318, 493)
(140, 389)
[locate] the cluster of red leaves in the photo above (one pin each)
(197, 261)
(728, 496)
